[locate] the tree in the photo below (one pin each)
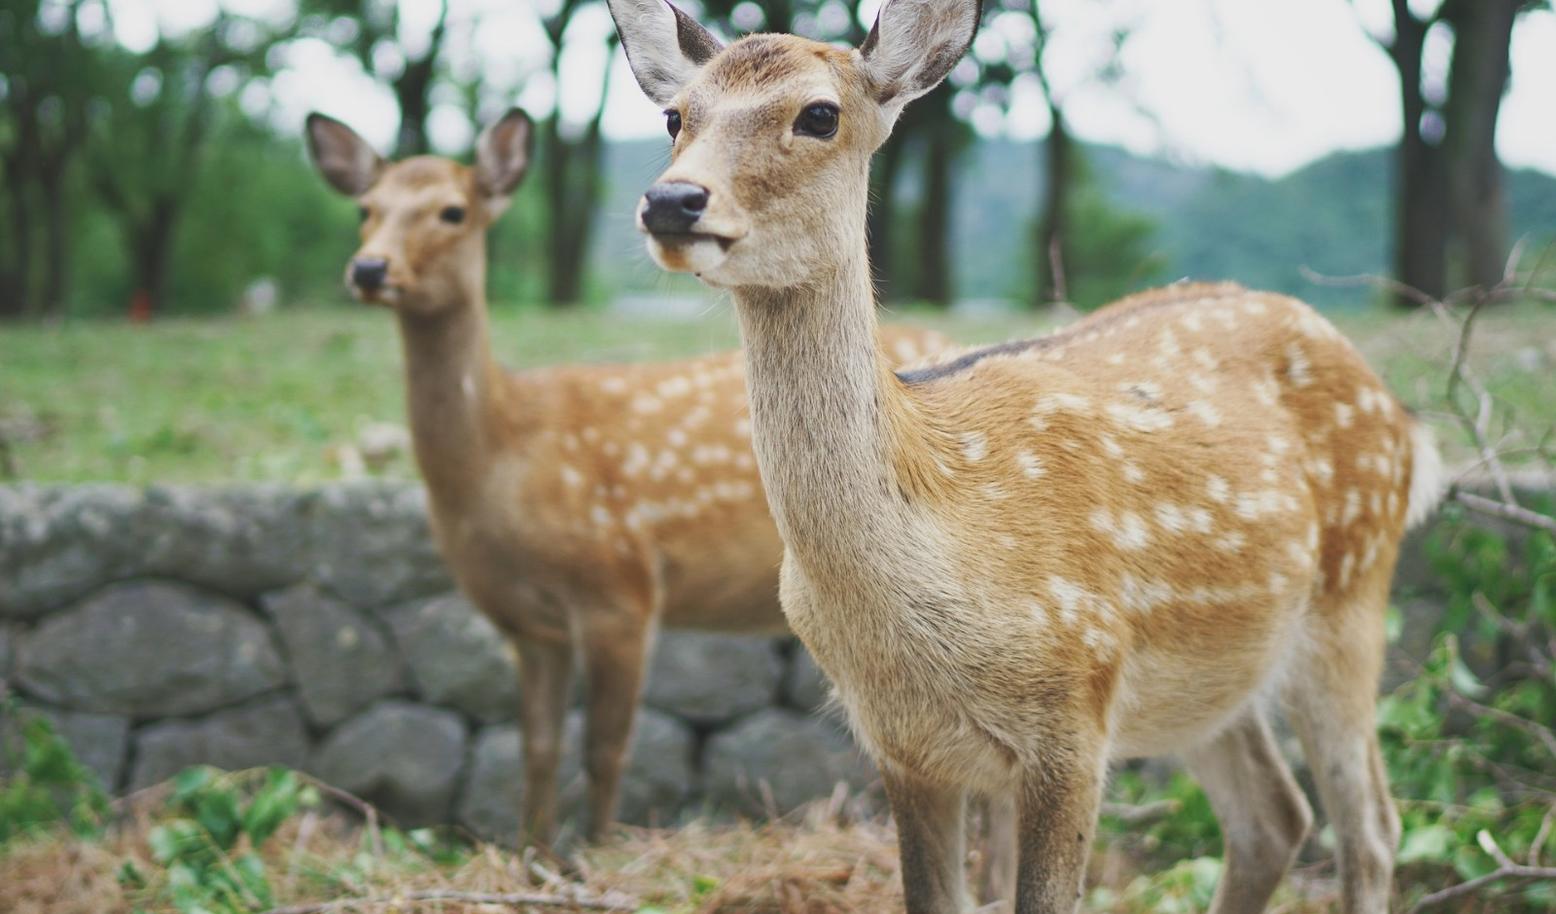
(1447, 189)
(411, 76)
(49, 79)
(149, 142)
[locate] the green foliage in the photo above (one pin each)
(210, 847)
(1463, 738)
(48, 787)
(1110, 249)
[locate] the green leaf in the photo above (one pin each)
(1431, 844)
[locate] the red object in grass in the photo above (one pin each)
(140, 307)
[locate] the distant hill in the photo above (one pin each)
(1331, 216)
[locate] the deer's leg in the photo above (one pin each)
(998, 883)
(1263, 815)
(545, 672)
(614, 647)
(1331, 697)
(1057, 819)
(930, 826)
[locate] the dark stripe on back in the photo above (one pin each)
(1065, 335)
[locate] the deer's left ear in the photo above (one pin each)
(914, 44)
(665, 46)
(502, 154)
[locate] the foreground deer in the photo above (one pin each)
(1126, 539)
(578, 507)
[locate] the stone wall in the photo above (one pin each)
(166, 627)
(246, 626)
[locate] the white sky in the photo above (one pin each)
(1262, 85)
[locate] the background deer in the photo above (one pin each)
(579, 507)
(1130, 538)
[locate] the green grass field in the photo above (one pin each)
(279, 397)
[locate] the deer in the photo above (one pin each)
(1142, 535)
(579, 507)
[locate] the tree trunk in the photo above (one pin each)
(1483, 31)
(1053, 227)
(1420, 189)
(934, 280)
(56, 272)
(15, 294)
(883, 180)
(573, 180)
(154, 255)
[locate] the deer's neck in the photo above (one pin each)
(453, 394)
(826, 414)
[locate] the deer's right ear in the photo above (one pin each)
(665, 46)
(345, 160)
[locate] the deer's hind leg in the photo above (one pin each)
(1262, 812)
(615, 645)
(1331, 696)
(930, 837)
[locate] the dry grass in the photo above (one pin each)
(813, 862)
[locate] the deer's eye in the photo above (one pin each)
(673, 123)
(818, 120)
(453, 215)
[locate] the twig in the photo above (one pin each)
(1514, 513)
(1506, 869)
(368, 811)
(511, 900)
(1130, 814)
(1538, 845)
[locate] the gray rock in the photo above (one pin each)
(712, 678)
(457, 657)
(342, 662)
(659, 775)
(5, 652)
(98, 741)
(658, 780)
(57, 543)
(404, 758)
(793, 757)
(804, 686)
(268, 732)
(371, 543)
(241, 541)
(150, 649)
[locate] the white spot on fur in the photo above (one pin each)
(1132, 472)
(613, 385)
(1205, 412)
(1171, 518)
(1031, 467)
(677, 386)
(1232, 541)
(1112, 447)
(1298, 369)
(643, 403)
(600, 515)
(1344, 414)
(975, 446)
(571, 476)
(1055, 402)
(1352, 506)
(676, 437)
(1142, 420)
(1127, 529)
(1218, 489)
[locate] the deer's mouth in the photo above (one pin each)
(691, 252)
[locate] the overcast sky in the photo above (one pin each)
(1263, 85)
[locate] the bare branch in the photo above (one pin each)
(1515, 871)
(513, 900)
(1138, 815)
(1514, 513)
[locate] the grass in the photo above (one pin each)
(283, 397)
(818, 860)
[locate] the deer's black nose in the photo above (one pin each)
(673, 207)
(368, 273)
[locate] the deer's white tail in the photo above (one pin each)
(1428, 479)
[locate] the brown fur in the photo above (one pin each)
(1125, 540)
(579, 507)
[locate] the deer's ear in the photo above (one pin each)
(502, 153)
(914, 44)
(342, 157)
(665, 46)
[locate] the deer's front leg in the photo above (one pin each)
(545, 671)
(1058, 817)
(930, 821)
